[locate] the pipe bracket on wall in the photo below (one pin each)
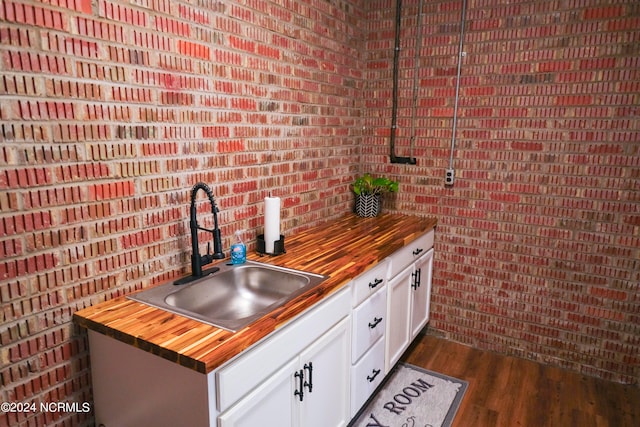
(403, 160)
(394, 120)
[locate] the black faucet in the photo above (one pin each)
(197, 260)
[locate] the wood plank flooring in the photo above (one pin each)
(508, 391)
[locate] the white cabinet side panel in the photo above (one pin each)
(133, 388)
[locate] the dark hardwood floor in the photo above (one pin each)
(508, 391)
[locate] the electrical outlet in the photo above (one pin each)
(448, 177)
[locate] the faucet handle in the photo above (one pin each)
(208, 258)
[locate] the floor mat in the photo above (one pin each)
(413, 397)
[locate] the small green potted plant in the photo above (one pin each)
(369, 191)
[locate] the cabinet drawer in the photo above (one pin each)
(369, 323)
(366, 375)
(405, 256)
(369, 282)
(257, 364)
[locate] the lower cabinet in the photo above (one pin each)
(273, 400)
(311, 390)
(369, 319)
(398, 317)
(134, 388)
(389, 310)
(421, 288)
(325, 401)
(316, 371)
(407, 306)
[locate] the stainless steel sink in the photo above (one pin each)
(233, 297)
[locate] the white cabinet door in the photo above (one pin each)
(398, 317)
(421, 289)
(312, 390)
(326, 367)
(258, 364)
(272, 403)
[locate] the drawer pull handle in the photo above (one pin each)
(375, 283)
(418, 251)
(373, 377)
(376, 321)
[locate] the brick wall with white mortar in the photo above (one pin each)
(538, 242)
(110, 111)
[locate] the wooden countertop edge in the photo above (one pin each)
(209, 347)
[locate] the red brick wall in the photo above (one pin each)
(538, 244)
(111, 111)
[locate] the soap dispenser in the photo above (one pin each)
(238, 250)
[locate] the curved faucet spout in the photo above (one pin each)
(197, 260)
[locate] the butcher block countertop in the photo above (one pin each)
(341, 249)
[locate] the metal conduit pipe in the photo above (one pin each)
(449, 174)
(394, 108)
(416, 72)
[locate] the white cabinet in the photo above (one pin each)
(369, 318)
(301, 391)
(293, 376)
(243, 374)
(272, 401)
(409, 292)
(399, 316)
(421, 293)
(133, 388)
(318, 370)
(325, 367)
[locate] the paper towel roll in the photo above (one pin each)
(271, 222)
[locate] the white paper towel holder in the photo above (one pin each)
(278, 246)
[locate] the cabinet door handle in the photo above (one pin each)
(416, 279)
(299, 390)
(375, 283)
(418, 251)
(375, 373)
(376, 321)
(309, 368)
